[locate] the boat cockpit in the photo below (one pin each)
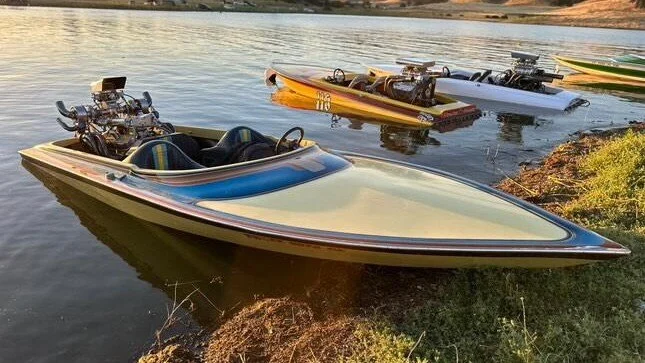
(524, 74)
(415, 87)
(181, 151)
(129, 130)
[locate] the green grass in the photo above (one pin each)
(378, 343)
(592, 313)
(614, 195)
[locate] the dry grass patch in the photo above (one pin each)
(281, 330)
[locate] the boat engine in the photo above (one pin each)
(113, 124)
(415, 85)
(525, 74)
(413, 90)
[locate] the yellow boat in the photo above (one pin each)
(408, 100)
(286, 97)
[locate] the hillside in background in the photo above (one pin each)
(591, 5)
(528, 2)
(590, 13)
(601, 12)
(596, 6)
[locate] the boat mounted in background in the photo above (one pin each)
(627, 67)
(405, 99)
(523, 84)
(294, 197)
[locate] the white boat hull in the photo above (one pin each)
(562, 100)
(553, 98)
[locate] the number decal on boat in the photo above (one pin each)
(323, 101)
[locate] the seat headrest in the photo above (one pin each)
(240, 135)
(185, 142)
(232, 143)
(162, 155)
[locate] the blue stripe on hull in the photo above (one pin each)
(260, 182)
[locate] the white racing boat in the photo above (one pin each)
(523, 84)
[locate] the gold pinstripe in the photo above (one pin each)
(160, 155)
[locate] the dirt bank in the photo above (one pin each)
(581, 183)
(282, 330)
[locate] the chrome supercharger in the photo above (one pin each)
(415, 85)
(113, 123)
(525, 73)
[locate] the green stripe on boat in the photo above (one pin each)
(609, 69)
(630, 58)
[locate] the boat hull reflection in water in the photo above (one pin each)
(178, 263)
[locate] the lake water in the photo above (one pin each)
(81, 282)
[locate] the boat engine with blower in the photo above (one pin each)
(525, 83)
(524, 74)
(113, 124)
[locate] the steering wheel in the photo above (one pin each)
(339, 75)
(284, 138)
(445, 72)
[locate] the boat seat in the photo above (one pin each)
(475, 76)
(237, 145)
(484, 75)
(359, 82)
(185, 142)
(162, 155)
(460, 75)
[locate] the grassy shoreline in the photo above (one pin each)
(590, 313)
(489, 13)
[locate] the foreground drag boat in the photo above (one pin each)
(627, 67)
(297, 198)
(404, 99)
(523, 84)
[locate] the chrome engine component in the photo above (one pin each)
(415, 85)
(525, 74)
(415, 66)
(416, 90)
(113, 124)
(525, 64)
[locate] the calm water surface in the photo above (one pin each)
(79, 281)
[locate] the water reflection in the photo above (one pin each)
(227, 276)
(511, 125)
(403, 139)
